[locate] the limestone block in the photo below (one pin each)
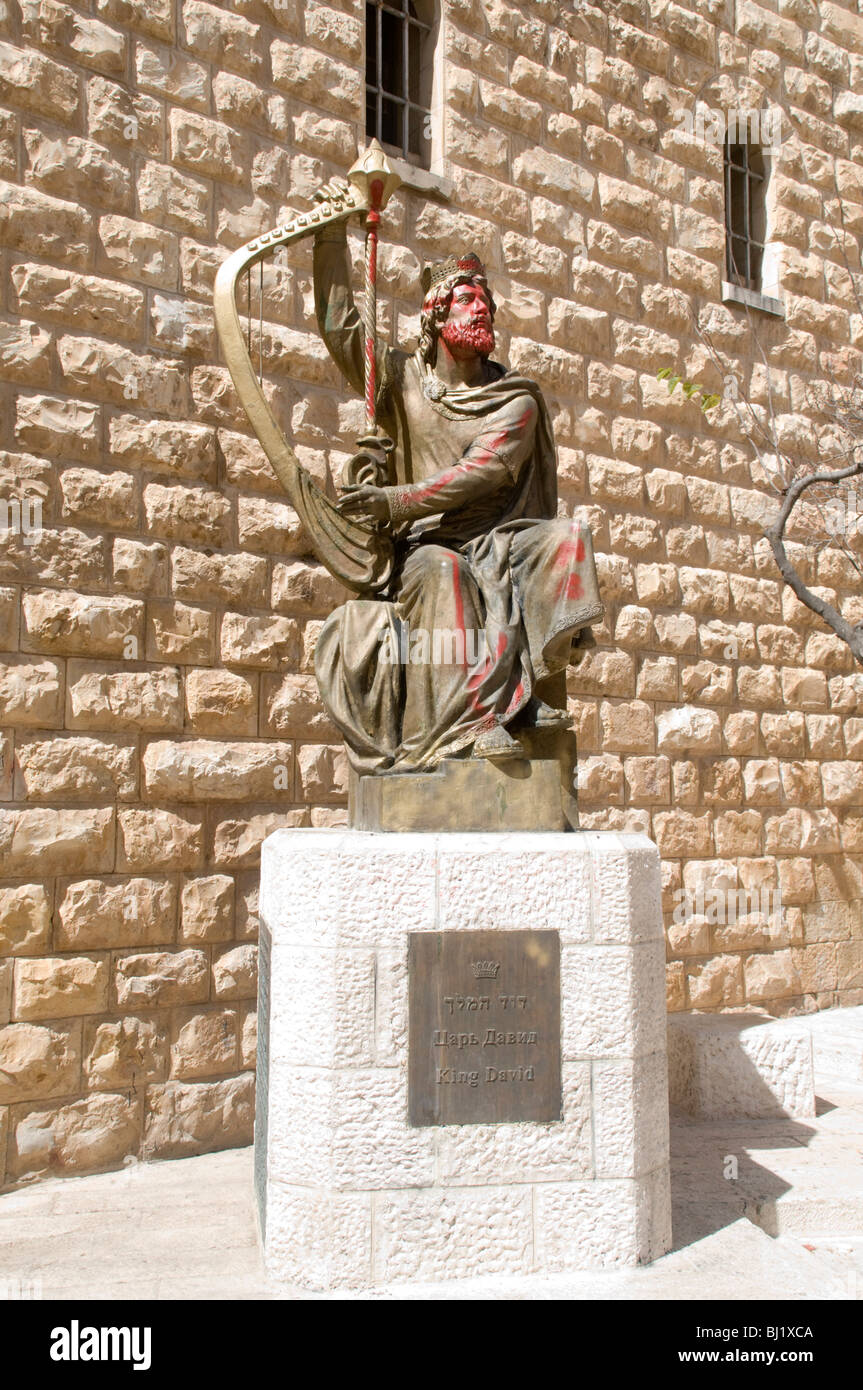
(147, 254)
(60, 987)
(346, 1129)
(105, 697)
(600, 985)
(24, 352)
(740, 1065)
(197, 515)
(48, 841)
(38, 1062)
(302, 71)
(120, 1054)
(31, 692)
(547, 876)
(203, 1044)
(188, 1117)
(153, 17)
(116, 116)
(600, 779)
(179, 632)
(323, 771)
(165, 977)
(84, 1136)
(339, 984)
(208, 908)
(306, 587)
(171, 839)
(79, 625)
(86, 301)
(293, 708)
(601, 1224)
(8, 619)
(39, 225)
(95, 913)
(31, 80)
(74, 768)
(317, 1238)
(248, 1038)
(223, 702)
(246, 465)
(208, 147)
(266, 643)
(164, 446)
(630, 1101)
(74, 168)
(688, 728)
(238, 833)
(235, 973)
(219, 578)
(172, 199)
(25, 919)
(58, 427)
(209, 770)
(430, 1234)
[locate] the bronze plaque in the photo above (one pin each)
(484, 1027)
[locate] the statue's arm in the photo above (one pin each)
(493, 460)
(338, 318)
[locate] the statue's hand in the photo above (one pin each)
(332, 191)
(336, 188)
(365, 499)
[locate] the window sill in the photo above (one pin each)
(421, 180)
(753, 299)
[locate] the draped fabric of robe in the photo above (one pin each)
(490, 586)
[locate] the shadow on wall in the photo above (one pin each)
(741, 1086)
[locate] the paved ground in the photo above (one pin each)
(789, 1226)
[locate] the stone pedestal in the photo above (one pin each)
(740, 1066)
(351, 1195)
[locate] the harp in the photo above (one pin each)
(358, 553)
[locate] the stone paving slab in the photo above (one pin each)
(185, 1229)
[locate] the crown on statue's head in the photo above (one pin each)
(468, 264)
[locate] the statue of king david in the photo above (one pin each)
(469, 643)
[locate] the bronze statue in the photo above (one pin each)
(473, 590)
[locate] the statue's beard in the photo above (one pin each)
(477, 337)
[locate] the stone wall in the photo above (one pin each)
(158, 715)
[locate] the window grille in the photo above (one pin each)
(745, 219)
(399, 53)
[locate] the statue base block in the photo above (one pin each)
(536, 792)
(356, 930)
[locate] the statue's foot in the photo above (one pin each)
(539, 715)
(497, 743)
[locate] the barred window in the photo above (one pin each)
(745, 214)
(400, 38)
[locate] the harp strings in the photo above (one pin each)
(255, 290)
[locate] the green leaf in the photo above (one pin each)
(710, 401)
(672, 382)
(664, 374)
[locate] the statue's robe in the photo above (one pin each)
(490, 586)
